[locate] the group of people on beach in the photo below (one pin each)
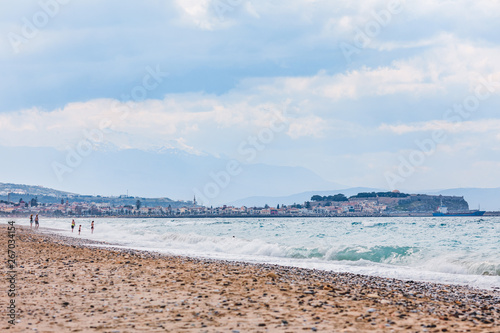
(73, 224)
(36, 221)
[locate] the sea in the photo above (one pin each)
(449, 250)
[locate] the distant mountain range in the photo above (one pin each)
(298, 198)
(169, 173)
(32, 190)
(484, 198)
(18, 192)
(487, 198)
(173, 173)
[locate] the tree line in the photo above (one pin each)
(342, 197)
(336, 197)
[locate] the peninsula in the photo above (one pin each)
(24, 200)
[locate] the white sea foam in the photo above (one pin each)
(459, 251)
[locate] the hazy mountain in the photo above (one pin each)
(487, 198)
(177, 175)
(18, 192)
(299, 198)
(168, 173)
(8, 188)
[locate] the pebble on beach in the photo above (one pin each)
(66, 284)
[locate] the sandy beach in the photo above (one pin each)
(63, 286)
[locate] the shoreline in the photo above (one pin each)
(82, 241)
(91, 243)
(403, 273)
(82, 285)
(255, 216)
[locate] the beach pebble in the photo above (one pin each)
(92, 289)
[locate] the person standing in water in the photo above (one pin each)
(36, 222)
(80, 229)
(73, 225)
(31, 221)
(92, 227)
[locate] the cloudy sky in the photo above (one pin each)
(388, 94)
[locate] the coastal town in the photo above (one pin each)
(364, 204)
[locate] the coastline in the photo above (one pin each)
(65, 285)
(309, 216)
(251, 216)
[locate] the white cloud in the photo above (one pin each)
(477, 126)
(251, 10)
(314, 101)
(438, 70)
(233, 68)
(307, 127)
(443, 38)
(197, 13)
(150, 123)
(214, 14)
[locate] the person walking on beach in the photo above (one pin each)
(92, 227)
(31, 221)
(80, 229)
(36, 222)
(72, 225)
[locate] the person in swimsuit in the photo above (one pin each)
(80, 229)
(36, 222)
(92, 227)
(31, 220)
(72, 225)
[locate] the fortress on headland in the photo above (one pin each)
(416, 203)
(386, 203)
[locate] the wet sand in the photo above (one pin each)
(64, 286)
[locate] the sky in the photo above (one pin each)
(385, 94)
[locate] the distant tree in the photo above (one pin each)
(278, 206)
(316, 198)
(339, 197)
(308, 204)
(266, 206)
(62, 201)
(34, 202)
(365, 195)
(381, 194)
(138, 204)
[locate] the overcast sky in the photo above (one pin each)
(389, 94)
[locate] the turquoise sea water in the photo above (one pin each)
(461, 250)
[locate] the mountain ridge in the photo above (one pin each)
(169, 173)
(471, 195)
(487, 198)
